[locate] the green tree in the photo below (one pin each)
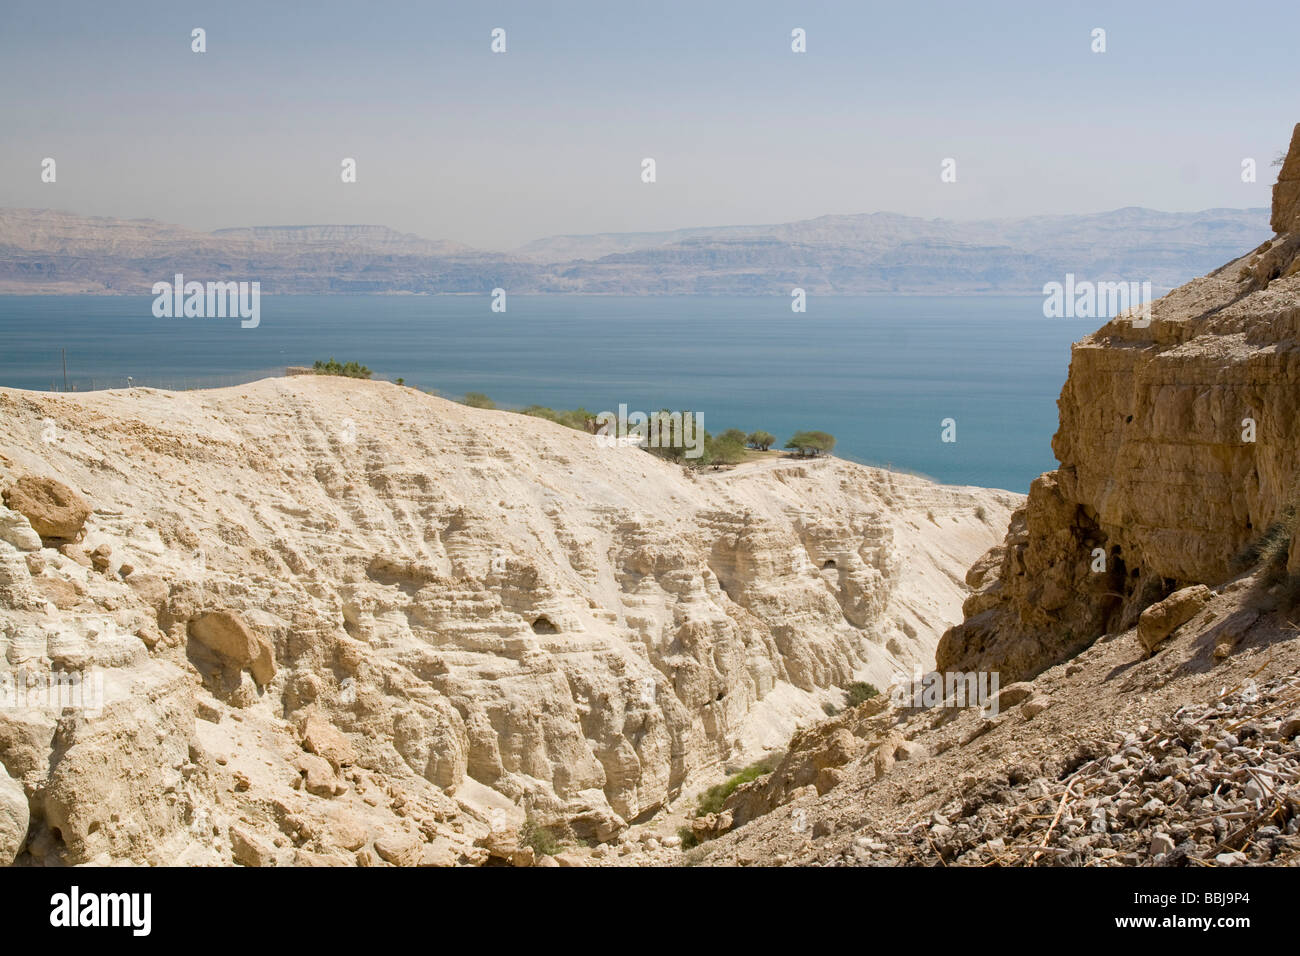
(811, 443)
(667, 438)
(761, 440)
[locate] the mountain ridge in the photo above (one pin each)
(54, 252)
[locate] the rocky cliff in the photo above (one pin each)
(344, 621)
(1179, 445)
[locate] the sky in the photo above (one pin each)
(453, 141)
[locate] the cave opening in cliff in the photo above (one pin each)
(543, 625)
(828, 564)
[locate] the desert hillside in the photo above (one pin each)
(341, 621)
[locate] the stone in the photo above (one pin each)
(524, 856)
(910, 751)
(226, 635)
(101, 559)
(344, 829)
(501, 842)
(14, 818)
(440, 853)
(1014, 694)
(318, 776)
(322, 738)
(17, 531)
(1164, 617)
(1161, 843)
(249, 849)
(1035, 706)
(399, 847)
(54, 511)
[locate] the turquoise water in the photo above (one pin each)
(880, 373)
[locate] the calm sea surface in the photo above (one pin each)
(879, 373)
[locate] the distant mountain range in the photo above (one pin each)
(50, 252)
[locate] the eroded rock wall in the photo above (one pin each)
(345, 621)
(1179, 443)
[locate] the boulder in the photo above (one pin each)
(318, 776)
(226, 635)
(440, 853)
(322, 738)
(1035, 706)
(250, 849)
(1164, 617)
(13, 818)
(54, 511)
(1013, 694)
(399, 847)
(101, 559)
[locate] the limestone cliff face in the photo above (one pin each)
(1178, 444)
(345, 620)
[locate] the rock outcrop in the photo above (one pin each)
(14, 818)
(301, 642)
(1179, 444)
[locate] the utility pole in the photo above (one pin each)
(65, 370)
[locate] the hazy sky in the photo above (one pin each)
(455, 142)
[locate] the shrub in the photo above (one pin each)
(541, 411)
(347, 369)
(980, 513)
(711, 800)
(539, 838)
(726, 450)
(860, 691)
(478, 400)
